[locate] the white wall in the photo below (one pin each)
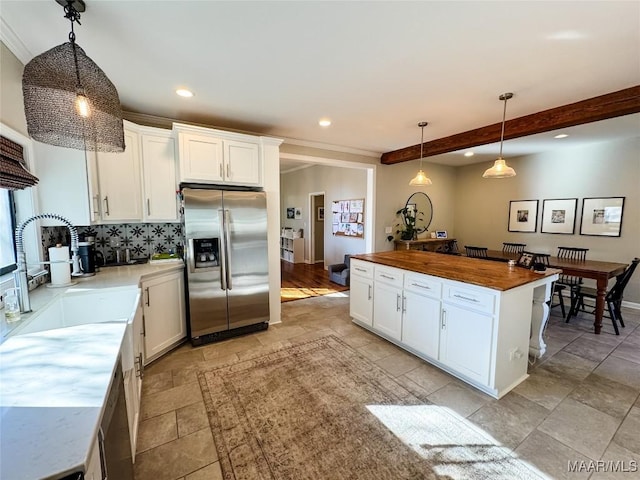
(393, 190)
(608, 169)
(12, 105)
(337, 184)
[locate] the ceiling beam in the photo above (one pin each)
(615, 104)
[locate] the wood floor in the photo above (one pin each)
(301, 280)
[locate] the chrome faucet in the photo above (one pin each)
(20, 278)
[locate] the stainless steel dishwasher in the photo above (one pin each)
(115, 443)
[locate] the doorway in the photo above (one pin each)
(316, 223)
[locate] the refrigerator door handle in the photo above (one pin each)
(191, 262)
(223, 252)
(227, 248)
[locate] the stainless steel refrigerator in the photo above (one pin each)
(226, 262)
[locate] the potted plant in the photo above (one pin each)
(407, 229)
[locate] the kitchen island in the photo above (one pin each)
(479, 320)
(54, 379)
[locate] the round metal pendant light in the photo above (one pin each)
(68, 99)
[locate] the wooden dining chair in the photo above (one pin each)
(476, 252)
(508, 247)
(613, 298)
(556, 288)
(576, 254)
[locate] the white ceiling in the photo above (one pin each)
(374, 68)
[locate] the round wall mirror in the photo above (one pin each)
(421, 203)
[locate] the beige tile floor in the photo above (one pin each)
(580, 403)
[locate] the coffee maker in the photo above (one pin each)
(89, 258)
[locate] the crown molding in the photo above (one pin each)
(13, 43)
(331, 147)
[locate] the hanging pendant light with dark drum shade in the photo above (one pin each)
(500, 168)
(421, 179)
(68, 99)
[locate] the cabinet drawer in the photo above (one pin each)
(364, 269)
(422, 284)
(469, 297)
(389, 275)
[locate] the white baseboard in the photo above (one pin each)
(633, 305)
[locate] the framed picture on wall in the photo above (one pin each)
(523, 216)
(321, 214)
(602, 216)
(291, 212)
(559, 215)
(298, 214)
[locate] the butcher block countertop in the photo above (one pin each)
(475, 271)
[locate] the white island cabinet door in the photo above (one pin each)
(421, 324)
(465, 342)
(387, 308)
(361, 305)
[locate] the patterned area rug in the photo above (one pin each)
(318, 410)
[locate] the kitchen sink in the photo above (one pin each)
(79, 307)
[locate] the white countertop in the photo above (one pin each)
(53, 383)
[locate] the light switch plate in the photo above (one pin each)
(388, 229)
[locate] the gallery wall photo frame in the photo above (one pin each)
(602, 216)
(291, 212)
(523, 216)
(320, 214)
(559, 215)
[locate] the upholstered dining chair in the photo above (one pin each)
(508, 247)
(476, 252)
(613, 298)
(556, 287)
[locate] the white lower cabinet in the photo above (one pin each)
(466, 342)
(361, 305)
(164, 314)
(388, 301)
(361, 291)
(387, 310)
(133, 381)
(421, 324)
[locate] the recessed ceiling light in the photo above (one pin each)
(468, 154)
(183, 92)
(324, 122)
(561, 135)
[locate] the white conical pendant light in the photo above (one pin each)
(421, 179)
(500, 168)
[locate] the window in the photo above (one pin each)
(7, 226)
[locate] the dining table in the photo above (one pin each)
(597, 270)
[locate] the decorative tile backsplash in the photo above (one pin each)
(142, 239)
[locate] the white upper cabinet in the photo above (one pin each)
(119, 179)
(136, 185)
(216, 156)
(242, 163)
(65, 184)
(200, 158)
(159, 175)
